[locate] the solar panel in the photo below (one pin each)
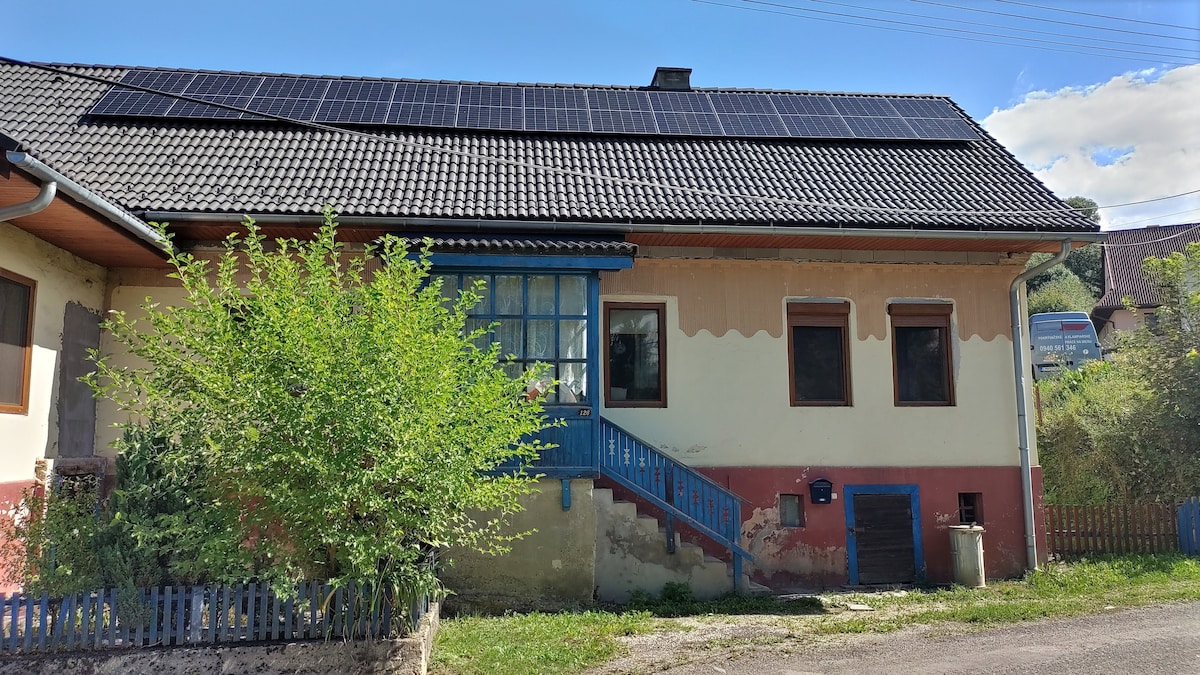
(292, 108)
(742, 103)
(126, 103)
(753, 125)
(215, 84)
(623, 121)
(556, 97)
(803, 104)
(423, 92)
(191, 110)
(943, 129)
(680, 102)
(173, 82)
(539, 108)
(817, 126)
(617, 99)
(879, 127)
(350, 90)
(922, 107)
(292, 87)
(690, 124)
(863, 106)
(352, 112)
(492, 96)
(550, 119)
(490, 117)
(422, 114)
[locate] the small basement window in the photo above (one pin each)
(970, 508)
(791, 511)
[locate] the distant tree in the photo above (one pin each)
(1064, 293)
(1082, 264)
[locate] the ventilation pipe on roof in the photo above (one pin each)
(1021, 379)
(38, 203)
(672, 79)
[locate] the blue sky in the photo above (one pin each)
(742, 45)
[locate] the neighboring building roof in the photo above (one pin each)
(1124, 252)
(277, 168)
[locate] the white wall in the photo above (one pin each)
(61, 278)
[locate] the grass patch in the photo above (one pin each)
(574, 642)
(568, 642)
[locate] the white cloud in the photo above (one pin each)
(1132, 138)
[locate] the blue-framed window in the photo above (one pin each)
(539, 318)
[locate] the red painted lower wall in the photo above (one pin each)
(815, 554)
(10, 500)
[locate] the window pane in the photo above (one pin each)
(572, 387)
(541, 295)
(540, 343)
(449, 285)
(484, 341)
(633, 349)
(818, 363)
(14, 331)
(508, 295)
(485, 299)
(572, 295)
(921, 364)
(572, 339)
(509, 334)
(789, 511)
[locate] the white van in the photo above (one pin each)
(1061, 340)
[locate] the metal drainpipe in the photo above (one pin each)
(38, 203)
(1020, 375)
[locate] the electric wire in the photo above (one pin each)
(960, 30)
(965, 22)
(937, 35)
(1099, 16)
(1054, 21)
(1152, 241)
(571, 172)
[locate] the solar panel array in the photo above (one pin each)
(533, 108)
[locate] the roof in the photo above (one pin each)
(223, 167)
(525, 245)
(1124, 252)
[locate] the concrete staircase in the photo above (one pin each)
(631, 554)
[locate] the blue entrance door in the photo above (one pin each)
(550, 318)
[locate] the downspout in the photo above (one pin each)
(1020, 379)
(44, 196)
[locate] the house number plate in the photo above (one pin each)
(585, 412)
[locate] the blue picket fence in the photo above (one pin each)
(200, 615)
(1188, 524)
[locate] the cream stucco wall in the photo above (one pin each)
(1122, 320)
(727, 378)
(61, 278)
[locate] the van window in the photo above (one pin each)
(1061, 340)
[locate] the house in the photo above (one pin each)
(782, 322)
(1123, 255)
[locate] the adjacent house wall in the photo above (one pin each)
(729, 411)
(1122, 320)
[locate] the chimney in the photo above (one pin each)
(672, 79)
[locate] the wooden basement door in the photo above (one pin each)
(883, 530)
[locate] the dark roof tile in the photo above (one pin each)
(168, 165)
(1124, 253)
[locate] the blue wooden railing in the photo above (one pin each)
(680, 491)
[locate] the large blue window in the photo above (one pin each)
(539, 318)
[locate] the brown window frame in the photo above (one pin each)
(22, 408)
(923, 315)
(819, 314)
(661, 309)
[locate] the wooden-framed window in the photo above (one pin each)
(635, 354)
(970, 508)
(791, 511)
(819, 353)
(17, 296)
(921, 354)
